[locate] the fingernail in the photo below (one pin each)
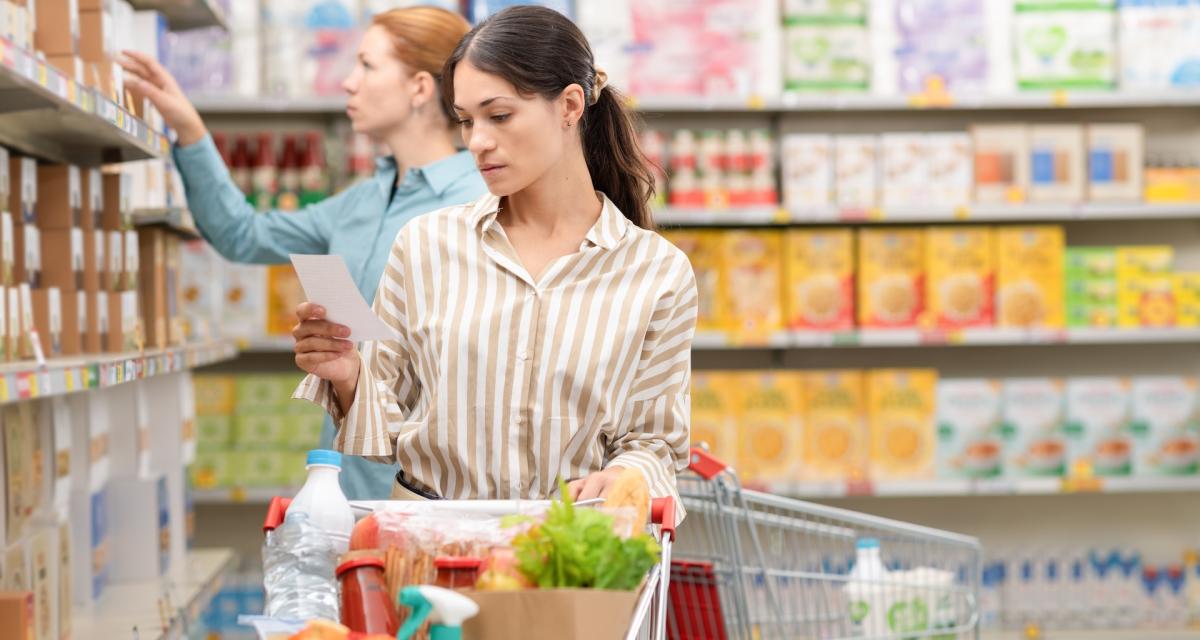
(343, 332)
(319, 310)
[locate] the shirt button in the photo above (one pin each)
(524, 355)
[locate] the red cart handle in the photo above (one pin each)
(662, 513)
(276, 512)
(705, 464)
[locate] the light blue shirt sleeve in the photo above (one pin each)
(234, 228)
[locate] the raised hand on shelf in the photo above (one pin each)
(150, 79)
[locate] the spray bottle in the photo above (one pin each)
(449, 610)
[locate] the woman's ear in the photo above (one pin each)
(572, 103)
(424, 89)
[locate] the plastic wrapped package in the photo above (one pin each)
(298, 571)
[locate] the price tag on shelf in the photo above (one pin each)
(72, 95)
(237, 494)
(781, 216)
(756, 103)
(43, 75)
(860, 488)
(5, 396)
(875, 214)
(70, 381)
(631, 101)
(1058, 98)
(962, 213)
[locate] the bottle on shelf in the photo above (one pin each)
(239, 166)
(264, 176)
(221, 142)
(314, 174)
(321, 498)
(288, 198)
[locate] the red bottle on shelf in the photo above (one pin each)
(264, 175)
(288, 198)
(314, 175)
(239, 166)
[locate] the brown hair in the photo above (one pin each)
(422, 38)
(541, 52)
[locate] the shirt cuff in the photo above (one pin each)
(659, 478)
(362, 430)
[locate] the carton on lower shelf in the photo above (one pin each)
(93, 201)
(118, 202)
(1001, 163)
(139, 521)
(1098, 420)
(27, 248)
(712, 414)
(96, 333)
(1056, 163)
(63, 255)
(1116, 157)
(856, 171)
(1033, 428)
(819, 269)
(891, 277)
(60, 196)
(153, 286)
(122, 322)
(904, 169)
(836, 440)
(22, 189)
(970, 438)
(961, 276)
(1029, 273)
(901, 406)
(96, 37)
(770, 430)
(703, 249)
(74, 322)
(8, 262)
(17, 613)
(90, 545)
(752, 285)
(48, 319)
(12, 324)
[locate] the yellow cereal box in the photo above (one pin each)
(1145, 287)
(769, 426)
(891, 282)
(819, 266)
(961, 276)
(901, 409)
(284, 294)
(1029, 273)
(752, 262)
(703, 249)
(1187, 299)
(714, 401)
(835, 428)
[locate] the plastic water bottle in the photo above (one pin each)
(322, 500)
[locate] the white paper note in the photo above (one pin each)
(327, 282)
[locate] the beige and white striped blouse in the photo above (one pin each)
(498, 385)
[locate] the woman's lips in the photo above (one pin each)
(490, 170)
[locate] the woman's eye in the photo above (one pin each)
(500, 117)
(464, 123)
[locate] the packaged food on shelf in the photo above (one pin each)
(1187, 299)
(1034, 415)
(1098, 426)
(904, 170)
(1165, 426)
(1155, 49)
(713, 403)
(214, 432)
(891, 277)
(942, 46)
(856, 171)
(704, 250)
(139, 528)
(318, 38)
(1065, 47)
(1057, 161)
(1115, 160)
(770, 431)
(1146, 286)
(961, 272)
(1029, 276)
(48, 319)
(819, 277)
(836, 438)
(821, 54)
(91, 544)
(751, 261)
(901, 406)
(284, 294)
(950, 169)
(808, 171)
(1091, 287)
(1001, 163)
(265, 431)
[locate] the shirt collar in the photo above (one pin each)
(606, 233)
(439, 175)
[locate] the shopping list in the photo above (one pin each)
(327, 282)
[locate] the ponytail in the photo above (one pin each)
(615, 159)
(541, 52)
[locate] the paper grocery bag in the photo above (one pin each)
(551, 614)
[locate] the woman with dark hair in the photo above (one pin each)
(543, 331)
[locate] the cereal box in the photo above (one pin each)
(714, 396)
(891, 285)
(1056, 163)
(703, 249)
(1030, 276)
(970, 438)
(1098, 418)
(901, 415)
(836, 440)
(1146, 286)
(215, 395)
(1033, 417)
(1091, 286)
(807, 172)
(951, 172)
(1165, 426)
(752, 277)
(904, 169)
(1001, 163)
(856, 171)
(820, 280)
(961, 272)
(1115, 160)
(769, 426)
(1187, 299)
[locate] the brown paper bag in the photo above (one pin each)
(551, 614)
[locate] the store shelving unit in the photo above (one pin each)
(778, 216)
(185, 14)
(241, 495)
(983, 337)
(1096, 634)
(47, 114)
(176, 219)
(134, 609)
(982, 487)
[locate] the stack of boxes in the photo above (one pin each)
(250, 433)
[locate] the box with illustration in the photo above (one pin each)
(1035, 444)
(1165, 426)
(900, 414)
(836, 441)
(1098, 426)
(769, 423)
(970, 429)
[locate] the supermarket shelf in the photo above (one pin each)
(177, 220)
(772, 216)
(185, 14)
(28, 381)
(798, 103)
(1097, 634)
(241, 495)
(988, 487)
(46, 114)
(126, 607)
(267, 344)
(990, 337)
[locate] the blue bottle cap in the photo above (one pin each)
(868, 543)
(325, 456)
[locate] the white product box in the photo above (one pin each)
(808, 174)
(1064, 49)
(826, 57)
(1116, 161)
(970, 438)
(1001, 163)
(140, 535)
(58, 414)
(90, 441)
(130, 451)
(951, 169)
(1056, 163)
(856, 163)
(1165, 426)
(1098, 417)
(904, 169)
(1034, 412)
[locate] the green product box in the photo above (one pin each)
(214, 395)
(214, 469)
(1091, 291)
(294, 471)
(264, 468)
(214, 433)
(304, 431)
(260, 431)
(1092, 315)
(1091, 263)
(254, 392)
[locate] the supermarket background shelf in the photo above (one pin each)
(1097, 634)
(46, 114)
(125, 607)
(983, 487)
(241, 495)
(176, 219)
(984, 337)
(27, 381)
(185, 14)
(773, 216)
(799, 103)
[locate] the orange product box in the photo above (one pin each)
(819, 269)
(891, 277)
(752, 262)
(961, 274)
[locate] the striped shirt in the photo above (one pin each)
(498, 385)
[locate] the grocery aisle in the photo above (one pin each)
(947, 256)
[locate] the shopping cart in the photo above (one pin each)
(650, 611)
(755, 565)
